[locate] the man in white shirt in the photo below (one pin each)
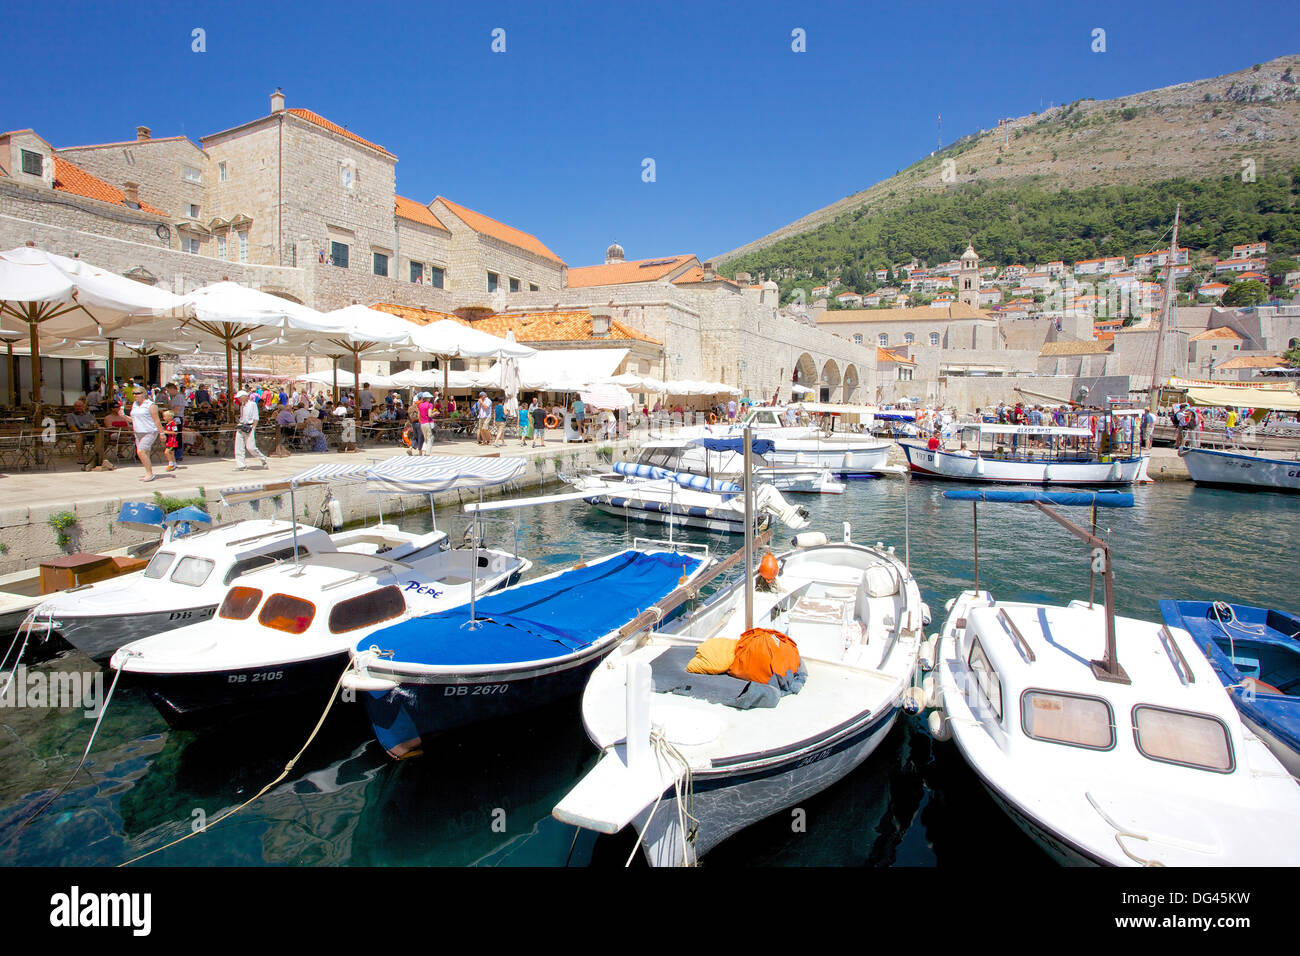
(246, 435)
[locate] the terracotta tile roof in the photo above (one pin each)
(416, 314)
(1077, 348)
(888, 355)
(622, 273)
(1222, 332)
(410, 209)
(1105, 336)
(323, 123)
(695, 275)
(570, 325)
(1252, 361)
(70, 178)
(499, 230)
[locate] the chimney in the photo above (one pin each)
(600, 325)
(709, 274)
(142, 133)
(277, 101)
(132, 193)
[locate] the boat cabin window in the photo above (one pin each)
(244, 565)
(1176, 736)
(159, 564)
(367, 609)
(986, 677)
(284, 612)
(239, 603)
(660, 457)
(765, 418)
(192, 571)
(1067, 719)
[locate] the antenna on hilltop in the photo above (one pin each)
(939, 144)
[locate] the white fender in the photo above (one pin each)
(336, 514)
(938, 725)
(913, 700)
(928, 651)
(979, 465)
(933, 695)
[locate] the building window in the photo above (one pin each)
(514, 285)
(908, 338)
(533, 288)
(194, 211)
(222, 172)
(190, 245)
(192, 175)
(243, 247)
(494, 280)
(339, 254)
(381, 264)
(857, 339)
(32, 164)
(435, 277)
(934, 338)
(221, 247)
(417, 273)
(883, 340)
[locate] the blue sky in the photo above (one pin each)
(550, 135)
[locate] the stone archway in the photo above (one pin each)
(805, 374)
(851, 383)
(829, 382)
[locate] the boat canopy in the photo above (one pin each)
(424, 475)
(996, 428)
(1275, 400)
(1102, 499)
(760, 446)
(545, 619)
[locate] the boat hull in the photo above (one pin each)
(424, 706)
(1210, 467)
(99, 636)
(199, 698)
(942, 464)
(844, 461)
(1061, 850)
(727, 801)
(679, 516)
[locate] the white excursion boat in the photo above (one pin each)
(691, 758)
(1240, 468)
(1144, 763)
(846, 455)
(681, 499)
(287, 631)
(1028, 454)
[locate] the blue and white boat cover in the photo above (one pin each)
(549, 618)
(185, 520)
(1102, 499)
(141, 516)
(685, 479)
(760, 446)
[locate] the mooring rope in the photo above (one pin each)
(283, 773)
(684, 791)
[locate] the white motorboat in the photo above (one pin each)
(847, 455)
(681, 499)
(723, 459)
(1241, 468)
(686, 766)
(286, 631)
(1027, 454)
(188, 576)
(1139, 762)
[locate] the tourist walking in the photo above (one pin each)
(246, 431)
(171, 447)
(147, 427)
(525, 426)
(426, 424)
(483, 414)
(537, 415)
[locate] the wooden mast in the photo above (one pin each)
(1165, 311)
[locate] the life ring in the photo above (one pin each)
(713, 419)
(551, 421)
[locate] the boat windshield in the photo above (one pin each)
(1067, 719)
(367, 610)
(240, 603)
(1186, 739)
(159, 564)
(192, 571)
(284, 612)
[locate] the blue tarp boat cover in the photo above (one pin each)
(684, 478)
(1102, 499)
(760, 446)
(544, 619)
(141, 514)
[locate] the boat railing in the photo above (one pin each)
(1181, 667)
(469, 536)
(1022, 645)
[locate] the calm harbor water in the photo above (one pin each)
(484, 797)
